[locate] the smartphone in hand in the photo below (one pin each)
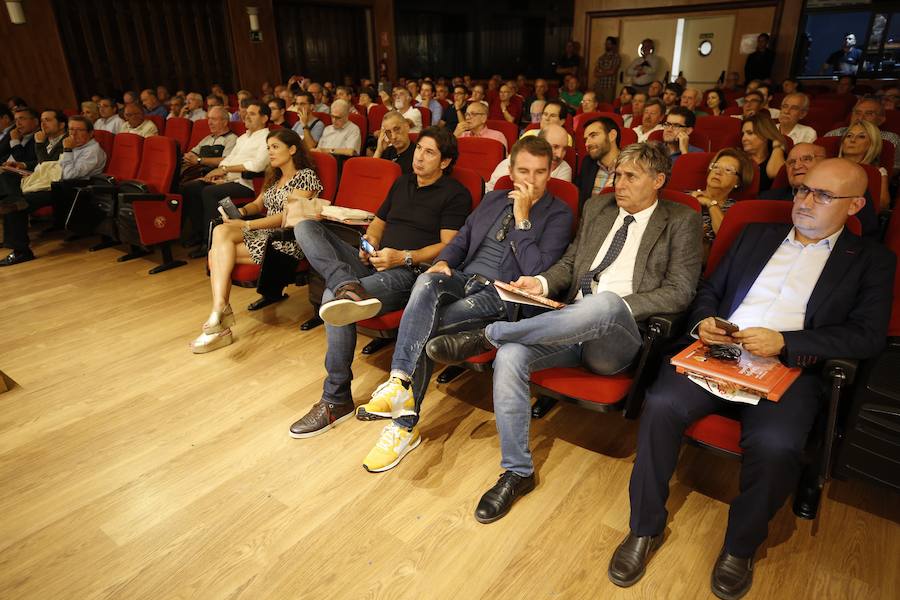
(726, 325)
(231, 211)
(366, 246)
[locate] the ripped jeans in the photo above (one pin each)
(440, 304)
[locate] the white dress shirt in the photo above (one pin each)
(347, 136)
(413, 114)
(642, 137)
(618, 277)
(563, 171)
(250, 152)
(111, 124)
(801, 134)
(145, 129)
(777, 299)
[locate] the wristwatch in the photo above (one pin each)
(523, 225)
(407, 260)
(713, 202)
(199, 160)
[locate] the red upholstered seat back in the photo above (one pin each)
(472, 182)
(689, 172)
(360, 121)
(426, 116)
(722, 131)
(160, 123)
(326, 169)
(158, 163)
(365, 182)
(199, 130)
(237, 127)
(509, 130)
(376, 114)
(680, 198)
(106, 141)
(179, 129)
(482, 155)
(126, 156)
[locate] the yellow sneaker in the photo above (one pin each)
(395, 443)
(390, 399)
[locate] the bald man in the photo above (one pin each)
(801, 293)
(558, 139)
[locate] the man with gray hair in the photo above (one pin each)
(341, 137)
(634, 256)
(870, 109)
(193, 110)
(794, 108)
(691, 99)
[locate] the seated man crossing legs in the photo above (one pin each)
(634, 256)
(422, 212)
(512, 233)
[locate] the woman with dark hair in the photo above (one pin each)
(715, 102)
(291, 177)
(765, 145)
(730, 169)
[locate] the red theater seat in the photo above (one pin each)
(509, 130)
(481, 155)
(179, 129)
(199, 130)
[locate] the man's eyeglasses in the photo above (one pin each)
(822, 197)
(674, 126)
(475, 114)
(722, 169)
(806, 159)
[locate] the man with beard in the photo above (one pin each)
(601, 138)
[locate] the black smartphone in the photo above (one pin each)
(367, 247)
(231, 211)
(728, 326)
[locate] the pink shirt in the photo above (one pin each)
(492, 134)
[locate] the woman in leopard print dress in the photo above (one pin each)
(291, 177)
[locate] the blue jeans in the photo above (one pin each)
(440, 304)
(597, 331)
(338, 263)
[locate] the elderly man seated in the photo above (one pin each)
(209, 152)
(394, 143)
(81, 157)
(341, 137)
(137, 123)
(794, 108)
(557, 137)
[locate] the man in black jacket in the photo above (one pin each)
(804, 294)
(601, 138)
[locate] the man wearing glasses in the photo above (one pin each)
(341, 137)
(82, 157)
(475, 124)
(677, 129)
(109, 116)
(803, 294)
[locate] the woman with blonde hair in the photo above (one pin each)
(291, 179)
(861, 143)
(765, 145)
(730, 170)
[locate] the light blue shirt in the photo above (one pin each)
(83, 161)
(778, 298)
(315, 131)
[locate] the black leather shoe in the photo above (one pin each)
(497, 501)
(629, 561)
(457, 347)
(14, 258)
(806, 502)
(731, 576)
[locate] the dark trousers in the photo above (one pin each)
(202, 203)
(10, 185)
(15, 224)
(773, 435)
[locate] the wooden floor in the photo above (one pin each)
(130, 468)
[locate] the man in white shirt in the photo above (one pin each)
(610, 282)
(137, 123)
(557, 137)
(341, 137)
(793, 109)
(653, 115)
(403, 105)
(109, 117)
(250, 155)
(644, 68)
(801, 294)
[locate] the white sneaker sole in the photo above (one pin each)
(344, 312)
(303, 436)
(409, 449)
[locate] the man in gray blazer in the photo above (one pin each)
(634, 256)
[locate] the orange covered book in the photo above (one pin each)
(765, 376)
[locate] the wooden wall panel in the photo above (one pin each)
(255, 62)
(34, 65)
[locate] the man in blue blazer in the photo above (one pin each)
(510, 234)
(803, 294)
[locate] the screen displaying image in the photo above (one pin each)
(833, 43)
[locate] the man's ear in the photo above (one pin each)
(856, 205)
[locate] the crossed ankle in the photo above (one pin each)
(405, 379)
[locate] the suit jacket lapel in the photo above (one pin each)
(761, 253)
(843, 254)
(654, 229)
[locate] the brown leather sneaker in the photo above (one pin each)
(629, 561)
(320, 418)
(351, 304)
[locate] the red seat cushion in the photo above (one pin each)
(717, 431)
(483, 358)
(581, 384)
(245, 272)
(386, 321)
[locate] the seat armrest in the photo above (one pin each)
(142, 197)
(667, 326)
(252, 174)
(660, 328)
(841, 367)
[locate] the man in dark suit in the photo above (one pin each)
(21, 143)
(634, 256)
(601, 138)
(805, 294)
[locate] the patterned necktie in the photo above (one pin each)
(615, 249)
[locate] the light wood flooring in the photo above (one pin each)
(130, 468)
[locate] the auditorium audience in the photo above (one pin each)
(539, 93)
(611, 282)
(861, 143)
(638, 100)
(308, 126)
(394, 143)
(82, 157)
(506, 107)
(428, 101)
(421, 214)
(553, 114)
(759, 62)
(475, 124)
(870, 109)
(558, 139)
(606, 71)
(109, 116)
(716, 103)
(21, 137)
(402, 103)
(342, 137)
(677, 128)
(794, 108)
(730, 170)
(655, 90)
(752, 103)
(671, 96)
(249, 155)
(193, 108)
(838, 305)
(137, 123)
(512, 233)
(588, 102)
(152, 105)
(455, 113)
(602, 140)
(765, 145)
(802, 157)
(478, 94)
(176, 106)
(570, 95)
(209, 152)
(290, 178)
(651, 119)
(644, 69)
(277, 108)
(7, 124)
(318, 104)
(691, 99)
(90, 111)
